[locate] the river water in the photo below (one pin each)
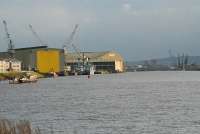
(129, 103)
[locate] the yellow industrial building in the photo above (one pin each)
(108, 61)
(48, 61)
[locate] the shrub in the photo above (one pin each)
(20, 127)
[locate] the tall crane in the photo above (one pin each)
(76, 50)
(36, 35)
(83, 66)
(69, 41)
(11, 50)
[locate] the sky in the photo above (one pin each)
(137, 29)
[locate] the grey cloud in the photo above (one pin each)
(138, 29)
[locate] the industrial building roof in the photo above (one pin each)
(94, 56)
(26, 48)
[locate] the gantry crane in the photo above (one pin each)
(11, 50)
(36, 36)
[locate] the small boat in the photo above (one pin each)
(54, 74)
(30, 79)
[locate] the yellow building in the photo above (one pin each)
(48, 61)
(108, 61)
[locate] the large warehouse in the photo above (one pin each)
(108, 61)
(41, 59)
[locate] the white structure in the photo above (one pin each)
(4, 65)
(9, 65)
(16, 65)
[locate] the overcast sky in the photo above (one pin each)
(137, 29)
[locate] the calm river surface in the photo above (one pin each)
(129, 103)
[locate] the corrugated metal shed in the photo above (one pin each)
(108, 61)
(107, 56)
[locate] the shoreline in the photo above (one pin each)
(10, 75)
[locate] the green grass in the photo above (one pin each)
(1, 77)
(38, 74)
(9, 75)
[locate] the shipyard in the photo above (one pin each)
(49, 62)
(99, 67)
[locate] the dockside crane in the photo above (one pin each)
(36, 36)
(83, 66)
(11, 50)
(69, 41)
(77, 50)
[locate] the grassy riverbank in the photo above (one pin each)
(9, 75)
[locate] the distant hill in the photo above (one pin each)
(165, 61)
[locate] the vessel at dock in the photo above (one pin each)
(24, 79)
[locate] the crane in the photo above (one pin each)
(76, 50)
(9, 41)
(83, 66)
(36, 35)
(69, 41)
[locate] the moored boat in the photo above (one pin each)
(29, 79)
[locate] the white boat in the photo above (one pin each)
(30, 79)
